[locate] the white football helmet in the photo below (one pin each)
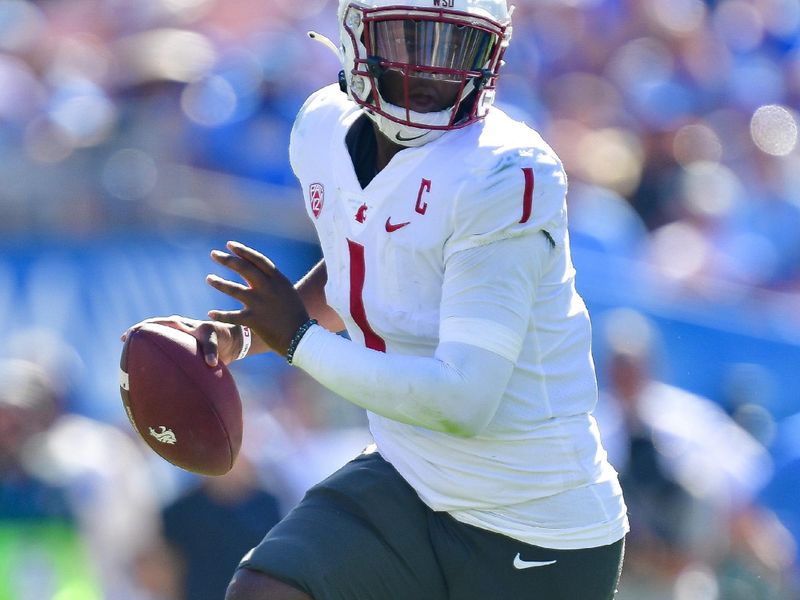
(461, 41)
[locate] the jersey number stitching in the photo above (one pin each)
(358, 271)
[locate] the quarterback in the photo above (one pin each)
(443, 227)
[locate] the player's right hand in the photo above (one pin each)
(218, 341)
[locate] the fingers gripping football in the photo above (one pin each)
(218, 341)
(270, 304)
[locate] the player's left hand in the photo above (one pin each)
(272, 308)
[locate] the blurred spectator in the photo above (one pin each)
(757, 563)
(210, 528)
(690, 476)
(28, 406)
(42, 553)
(749, 398)
(81, 482)
(783, 492)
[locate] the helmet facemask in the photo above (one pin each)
(427, 54)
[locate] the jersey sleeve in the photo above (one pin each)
(488, 293)
(523, 192)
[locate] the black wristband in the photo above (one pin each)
(301, 331)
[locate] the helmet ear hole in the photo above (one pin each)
(342, 81)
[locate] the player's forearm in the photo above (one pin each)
(456, 392)
(312, 291)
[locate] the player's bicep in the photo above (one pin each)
(488, 293)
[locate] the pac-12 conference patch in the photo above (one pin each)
(316, 192)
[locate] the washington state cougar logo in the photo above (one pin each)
(165, 436)
(317, 194)
(361, 215)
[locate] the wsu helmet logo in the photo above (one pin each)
(316, 192)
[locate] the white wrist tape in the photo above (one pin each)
(247, 340)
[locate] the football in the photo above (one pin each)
(190, 414)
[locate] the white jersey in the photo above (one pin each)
(538, 471)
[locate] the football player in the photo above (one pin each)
(443, 227)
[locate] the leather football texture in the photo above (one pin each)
(189, 413)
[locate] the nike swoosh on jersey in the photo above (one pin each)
(527, 564)
(394, 227)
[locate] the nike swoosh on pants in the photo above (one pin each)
(527, 564)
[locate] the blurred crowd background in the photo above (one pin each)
(137, 135)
